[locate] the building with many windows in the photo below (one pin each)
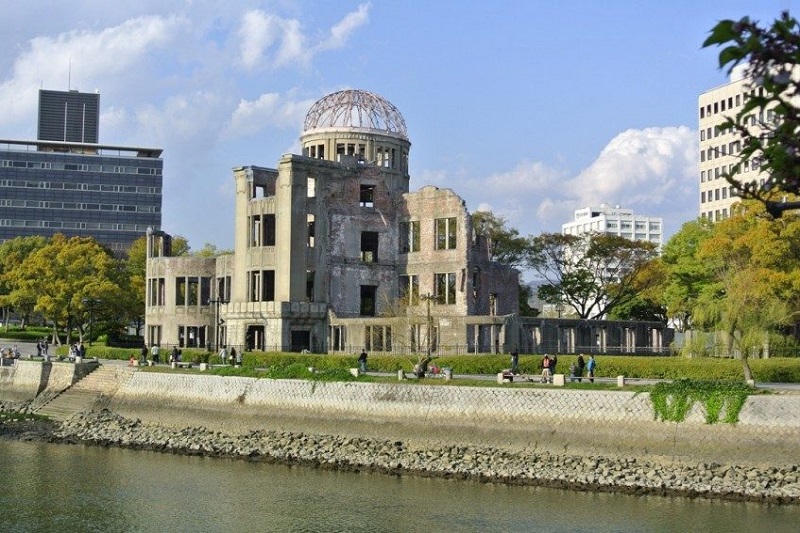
(333, 253)
(614, 220)
(719, 147)
(51, 185)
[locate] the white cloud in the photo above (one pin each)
(645, 167)
(270, 109)
(341, 32)
(269, 41)
(258, 32)
(84, 59)
(652, 171)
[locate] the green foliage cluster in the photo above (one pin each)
(29, 333)
(672, 401)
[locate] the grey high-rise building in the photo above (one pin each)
(78, 188)
(69, 116)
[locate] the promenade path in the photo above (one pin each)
(29, 348)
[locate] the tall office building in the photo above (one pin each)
(58, 184)
(719, 148)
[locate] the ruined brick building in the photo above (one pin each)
(333, 253)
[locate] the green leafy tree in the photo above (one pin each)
(12, 254)
(211, 250)
(505, 244)
(74, 280)
(685, 272)
(180, 246)
(755, 266)
(772, 54)
(591, 273)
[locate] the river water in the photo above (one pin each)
(48, 487)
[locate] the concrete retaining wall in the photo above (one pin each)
(605, 422)
(562, 421)
(27, 379)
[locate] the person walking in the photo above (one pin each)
(154, 353)
(143, 355)
(223, 355)
(590, 366)
(581, 365)
(546, 369)
(514, 362)
(362, 362)
(237, 357)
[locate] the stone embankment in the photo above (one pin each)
(487, 464)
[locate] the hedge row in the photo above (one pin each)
(775, 369)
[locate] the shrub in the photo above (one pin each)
(673, 400)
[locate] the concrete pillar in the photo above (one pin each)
(620, 381)
(401, 375)
(558, 380)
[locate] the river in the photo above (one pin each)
(49, 487)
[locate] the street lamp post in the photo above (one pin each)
(217, 302)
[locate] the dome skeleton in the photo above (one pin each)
(355, 109)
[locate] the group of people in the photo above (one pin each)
(41, 348)
(231, 357)
(10, 353)
(548, 367)
(76, 350)
(155, 355)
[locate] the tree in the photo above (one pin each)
(647, 304)
(505, 244)
(755, 266)
(685, 273)
(211, 250)
(12, 254)
(74, 280)
(592, 273)
(773, 143)
(180, 246)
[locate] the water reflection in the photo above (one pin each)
(75, 488)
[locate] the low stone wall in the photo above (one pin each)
(585, 440)
(557, 420)
(30, 378)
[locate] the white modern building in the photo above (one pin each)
(615, 220)
(719, 148)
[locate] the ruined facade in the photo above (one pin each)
(333, 253)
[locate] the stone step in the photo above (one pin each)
(83, 394)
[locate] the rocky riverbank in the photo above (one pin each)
(485, 464)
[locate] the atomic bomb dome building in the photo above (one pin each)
(333, 253)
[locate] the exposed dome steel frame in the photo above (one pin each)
(355, 108)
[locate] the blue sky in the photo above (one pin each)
(527, 108)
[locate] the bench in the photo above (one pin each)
(181, 364)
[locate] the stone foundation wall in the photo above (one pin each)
(27, 379)
(608, 422)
